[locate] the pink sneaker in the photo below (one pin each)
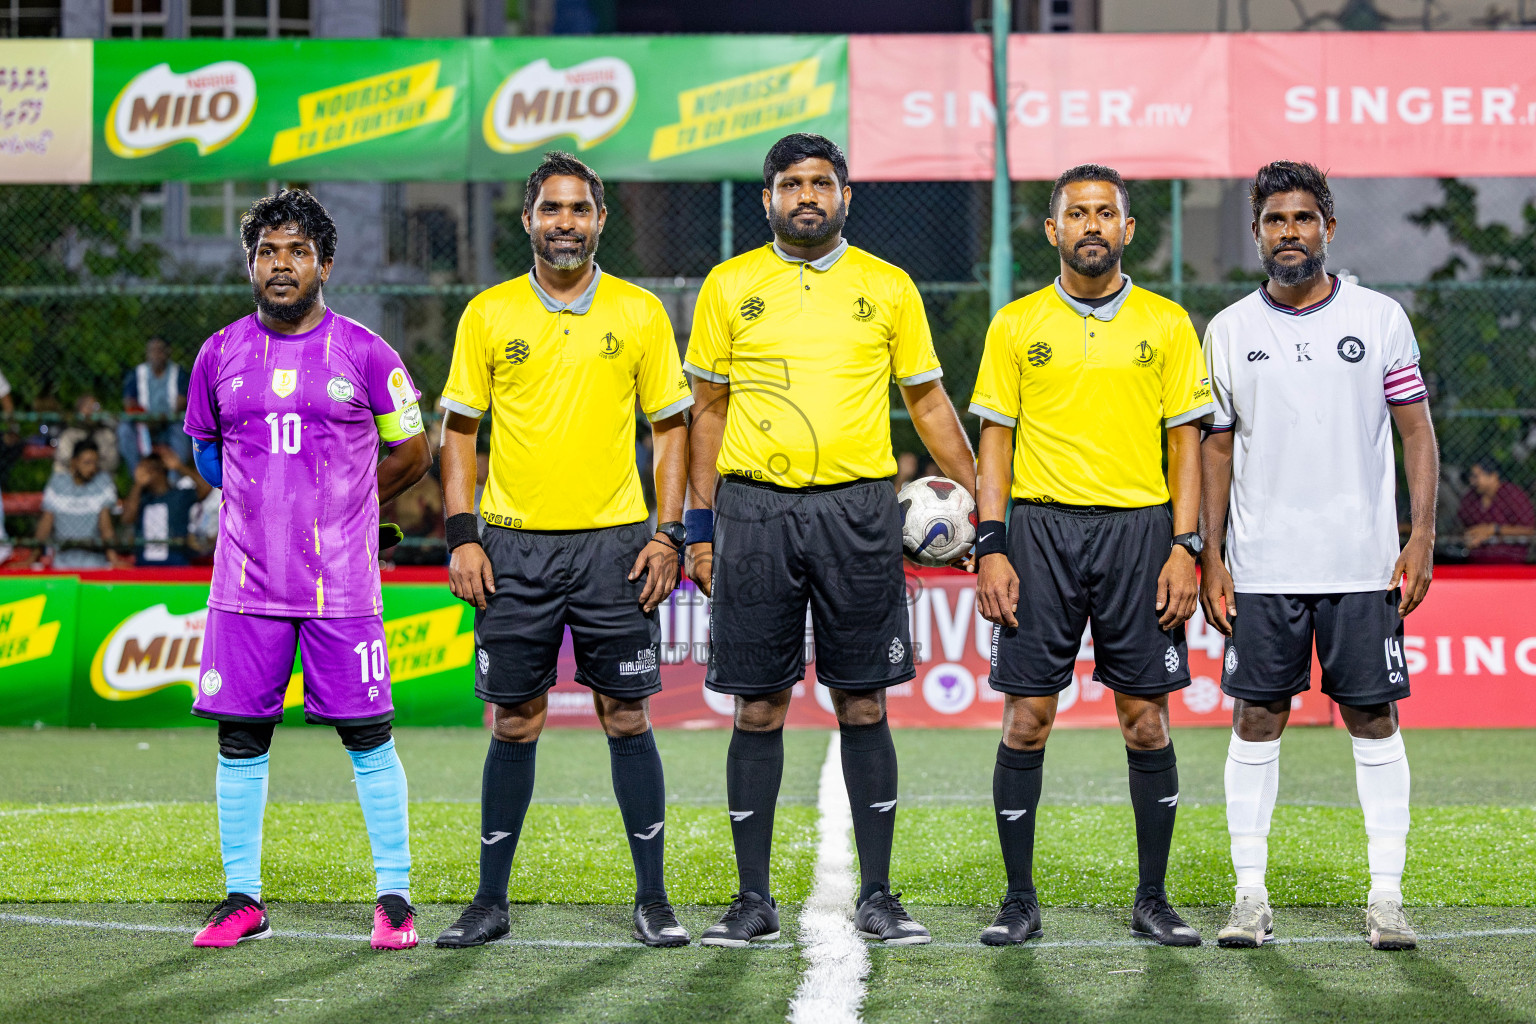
(236, 920)
(394, 923)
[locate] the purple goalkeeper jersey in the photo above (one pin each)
(299, 419)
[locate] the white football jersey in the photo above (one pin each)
(1306, 393)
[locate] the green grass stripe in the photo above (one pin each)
(1086, 857)
(319, 852)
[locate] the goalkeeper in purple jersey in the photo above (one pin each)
(286, 408)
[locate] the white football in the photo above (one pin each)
(938, 520)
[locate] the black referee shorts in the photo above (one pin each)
(835, 549)
(1081, 565)
(547, 580)
(1359, 645)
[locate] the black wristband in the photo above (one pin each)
(991, 538)
(463, 528)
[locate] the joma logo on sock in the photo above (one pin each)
(650, 833)
(495, 838)
(883, 805)
(1013, 815)
(740, 815)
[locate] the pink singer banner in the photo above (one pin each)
(1217, 105)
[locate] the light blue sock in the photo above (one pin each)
(241, 788)
(381, 790)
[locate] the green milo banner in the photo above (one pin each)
(126, 654)
(639, 108)
(308, 109)
(663, 108)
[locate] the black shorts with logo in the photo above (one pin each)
(1359, 640)
(549, 579)
(1078, 565)
(836, 549)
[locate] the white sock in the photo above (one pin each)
(1253, 779)
(1381, 776)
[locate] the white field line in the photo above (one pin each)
(832, 989)
(78, 809)
(163, 929)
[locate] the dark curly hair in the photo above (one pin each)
(557, 163)
(289, 206)
(1291, 176)
(791, 149)
(1091, 172)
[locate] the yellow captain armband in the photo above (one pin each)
(400, 424)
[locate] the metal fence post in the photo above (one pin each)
(727, 221)
(1002, 200)
(1176, 239)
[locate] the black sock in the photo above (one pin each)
(753, 769)
(1016, 798)
(642, 796)
(869, 772)
(506, 788)
(1155, 799)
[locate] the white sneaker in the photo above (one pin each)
(1389, 926)
(1251, 924)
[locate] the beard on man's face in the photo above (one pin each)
(564, 259)
(287, 312)
(1091, 266)
(1293, 273)
(823, 229)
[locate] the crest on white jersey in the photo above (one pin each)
(284, 381)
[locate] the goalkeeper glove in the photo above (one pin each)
(390, 535)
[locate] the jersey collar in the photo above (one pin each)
(583, 301)
(1105, 312)
(1281, 307)
(823, 264)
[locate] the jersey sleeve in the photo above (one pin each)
(1218, 368)
(913, 359)
(709, 345)
(996, 396)
(202, 420)
(660, 383)
(1402, 382)
(392, 396)
(468, 391)
(1186, 388)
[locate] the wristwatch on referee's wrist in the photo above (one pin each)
(674, 532)
(1190, 542)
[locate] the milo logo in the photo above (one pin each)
(159, 108)
(150, 650)
(538, 103)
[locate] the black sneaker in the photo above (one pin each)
(751, 918)
(478, 925)
(1153, 918)
(656, 925)
(1018, 921)
(884, 919)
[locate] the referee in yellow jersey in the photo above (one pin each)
(1090, 373)
(558, 357)
(793, 351)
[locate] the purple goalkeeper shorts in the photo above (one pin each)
(248, 661)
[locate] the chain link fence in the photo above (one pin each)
(82, 292)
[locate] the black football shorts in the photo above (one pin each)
(835, 549)
(1078, 566)
(547, 580)
(1359, 645)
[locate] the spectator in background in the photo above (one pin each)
(7, 403)
(87, 426)
(159, 514)
(906, 469)
(77, 505)
(1497, 516)
(157, 387)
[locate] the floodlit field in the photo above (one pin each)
(109, 858)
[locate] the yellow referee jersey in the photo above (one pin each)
(809, 350)
(1088, 391)
(560, 381)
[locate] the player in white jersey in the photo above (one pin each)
(1308, 374)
